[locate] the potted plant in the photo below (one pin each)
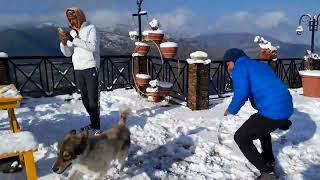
(164, 88)
(143, 79)
(155, 34)
(142, 48)
(267, 50)
(169, 49)
(153, 94)
(311, 75)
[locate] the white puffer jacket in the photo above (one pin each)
(84, 49)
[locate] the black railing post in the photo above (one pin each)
(4, 71)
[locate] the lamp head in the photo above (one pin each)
(299, 30)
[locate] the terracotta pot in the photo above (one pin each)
(156, 37)
(311, 85)
(142, 81)
(169, 52)
(266, 54)
(164, 91)
(154, 97)
(143, 50)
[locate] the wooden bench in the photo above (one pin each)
(21, 144)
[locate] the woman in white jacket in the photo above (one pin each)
(82, 43)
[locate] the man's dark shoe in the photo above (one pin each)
(267, 176)
(286, 126)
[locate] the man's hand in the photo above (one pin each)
(226, 113)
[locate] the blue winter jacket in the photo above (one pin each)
(256, 81)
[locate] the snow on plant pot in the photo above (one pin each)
(133, 35)
(169, 49)
(267, 51)
(142, 48)
(153, 94)
(145, 35)
(199, 57)
(156, 36)
(143, 79)
(154, 24)
(310, 82)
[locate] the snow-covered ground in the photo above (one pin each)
(174, 142)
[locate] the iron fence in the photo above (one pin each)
(53, 75)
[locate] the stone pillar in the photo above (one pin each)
(198, 87)
(4, 69)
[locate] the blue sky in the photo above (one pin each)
(189, 17)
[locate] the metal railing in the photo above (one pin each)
(53, 75)
(171, 70)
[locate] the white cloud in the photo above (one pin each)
(271, 20)
(243, 21)
(176, 20)
(108, 18)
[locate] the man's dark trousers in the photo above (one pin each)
(258, 127)
(88, 84)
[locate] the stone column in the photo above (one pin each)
(198, 87)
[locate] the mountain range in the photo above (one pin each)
(42, 40)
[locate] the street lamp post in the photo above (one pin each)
(139, 14)
(312, 22)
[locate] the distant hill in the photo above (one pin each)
(42, 40)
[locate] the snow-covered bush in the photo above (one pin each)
(312, 61)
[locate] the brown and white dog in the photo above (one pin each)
(94, 155)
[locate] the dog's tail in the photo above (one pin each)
(125, 111)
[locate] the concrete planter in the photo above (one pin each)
(311, 83)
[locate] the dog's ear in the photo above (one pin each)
(73, 132)
(84, 135)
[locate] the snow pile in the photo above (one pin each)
(264, 44)
(3, 55)
(154, 83)
(136, 54)
(152, 90)
(9, 91)
(156, 32)
(310, 73)
(173, 142)
(310, 55)
(17, 142)
(154, 24)
(199, 57)
(163, 84)
(168, 45)
(146, 33)
(142, 12)
(141, 44)
(133, 35)
(143, 76)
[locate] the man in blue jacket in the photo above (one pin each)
(255, 80)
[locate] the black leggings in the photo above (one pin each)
(258, 127)
(87, 82)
